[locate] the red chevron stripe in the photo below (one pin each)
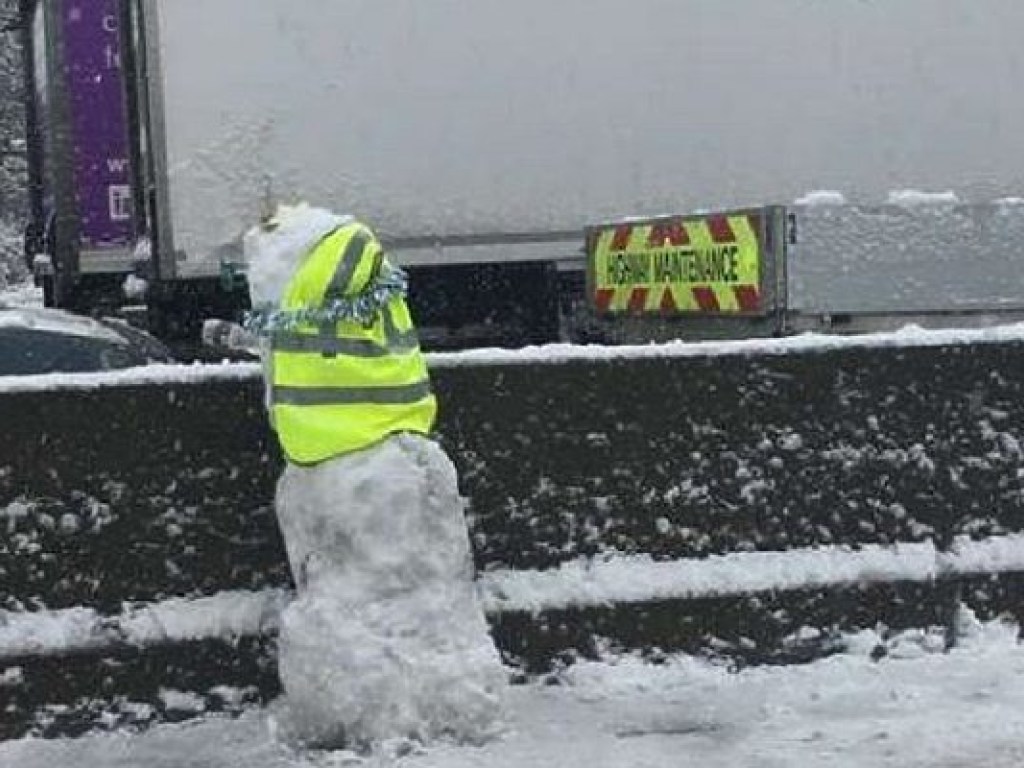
(721, 229)
(668, 301)
(603, 299)
(638, 300)
(672, 232)
(748, 297)
(623, 233)
(706, 299)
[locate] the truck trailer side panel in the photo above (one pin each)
(482, 116)
(922, 258)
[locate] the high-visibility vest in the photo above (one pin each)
(345, 386)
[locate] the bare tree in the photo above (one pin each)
(12, 118)
(13, 177)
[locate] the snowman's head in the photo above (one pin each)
(275, 248)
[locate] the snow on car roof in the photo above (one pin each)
(56, 321)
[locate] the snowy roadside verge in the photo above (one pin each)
(580, 584)
(925, 709)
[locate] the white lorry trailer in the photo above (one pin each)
(480, 138)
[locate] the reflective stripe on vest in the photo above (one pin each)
(396, 341)
(340, 265)
(352, 395)
(341, 280)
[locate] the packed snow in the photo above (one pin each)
(274, 252)
(159, 374)
(821, 197)
(911, 197)
(76, 630)
(135, 288)
(918, 708)
(386, 637)
(608, 580)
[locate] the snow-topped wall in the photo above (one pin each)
(139, 492)
(754, 503)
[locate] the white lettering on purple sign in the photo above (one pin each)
(112, 50)
(112, 57)
(120, 196)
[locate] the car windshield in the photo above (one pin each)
(25, 351)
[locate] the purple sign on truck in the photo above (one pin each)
(99, 123)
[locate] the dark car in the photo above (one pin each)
(38, 340)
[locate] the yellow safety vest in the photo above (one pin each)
(345, 386)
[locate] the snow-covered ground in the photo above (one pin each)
(915, 708)
(22, 294)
